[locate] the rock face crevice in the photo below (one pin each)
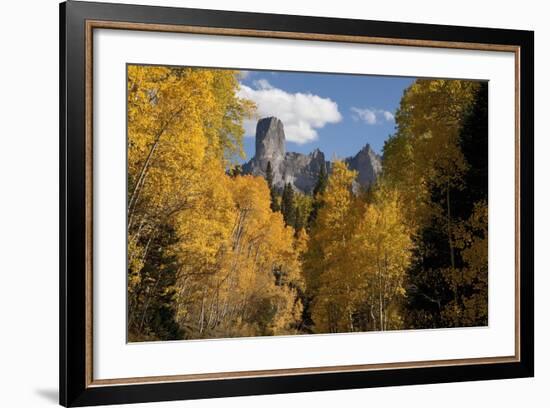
(302, 170)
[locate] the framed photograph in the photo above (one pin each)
(257, 204)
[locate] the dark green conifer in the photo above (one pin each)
(273, 193)
(318, 190)
(287, 205)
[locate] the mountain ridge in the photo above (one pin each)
(302, 170)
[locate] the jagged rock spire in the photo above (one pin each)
(298, 169)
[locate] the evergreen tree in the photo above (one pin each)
(151, 312)
(273, 193)
(236, 171)
(318, 190)
(322, 181)
(269, 175)
(275, 206)
(287, 205)
(299, 222)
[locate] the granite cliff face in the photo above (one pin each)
(367, 164)
(270, 143)
(302, 170)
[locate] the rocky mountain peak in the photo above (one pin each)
(299, 169)
(367, 164)
(270, 140)
(317, 153)
(366, 149)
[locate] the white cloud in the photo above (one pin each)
(366, 115)
(372, 116)
(262, 84)
(302, 114)
(388, 116)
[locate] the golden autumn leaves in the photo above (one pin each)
(203, 248)
(208, 257)
(438, 161)
(359, 252)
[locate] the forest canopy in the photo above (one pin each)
(214, 252)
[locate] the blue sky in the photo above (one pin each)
(336, 113)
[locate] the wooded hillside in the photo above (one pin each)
(214, 253)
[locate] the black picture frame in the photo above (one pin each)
(75, 390)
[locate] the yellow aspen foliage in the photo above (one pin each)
(424, 152)
(184, 127)
(330, 277)
(250, 286)
(359, 255)
(437, 162)
(381, 252)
